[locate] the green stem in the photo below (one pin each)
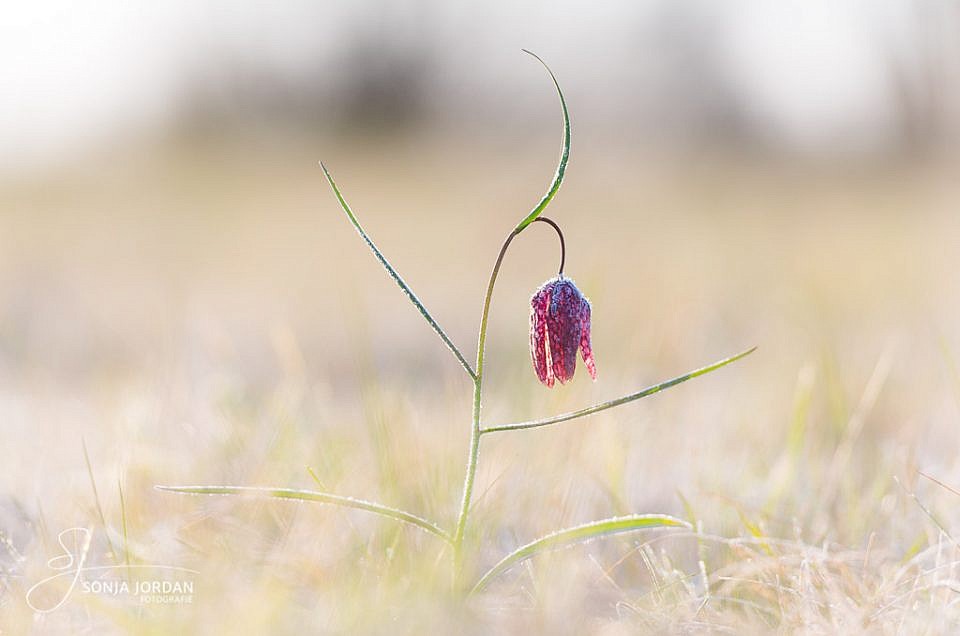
(477, 371)
(563, 244)
(474, 452)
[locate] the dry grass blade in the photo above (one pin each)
(96, 499)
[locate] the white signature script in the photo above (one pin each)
(73, 565)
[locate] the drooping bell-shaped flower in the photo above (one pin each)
(559, 326)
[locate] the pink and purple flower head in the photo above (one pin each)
(559, 326)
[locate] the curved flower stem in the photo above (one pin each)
(563, 245)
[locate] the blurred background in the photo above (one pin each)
(180, 292)
(849, 80)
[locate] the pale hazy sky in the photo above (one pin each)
(80, 74)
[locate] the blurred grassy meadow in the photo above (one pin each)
(196, 309)
(210, 317)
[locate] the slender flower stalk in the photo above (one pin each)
(563, 244)
(474, 451)
(475, 430)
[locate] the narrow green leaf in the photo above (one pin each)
(564, 153)
(312, 495)
(396, 277)
(596, 408)
(578, 534)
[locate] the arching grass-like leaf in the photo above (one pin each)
(396, 277)
(313, 495)
(596, 408)
(564, 154)
(578, 534)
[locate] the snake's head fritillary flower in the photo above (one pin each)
(559, 325)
